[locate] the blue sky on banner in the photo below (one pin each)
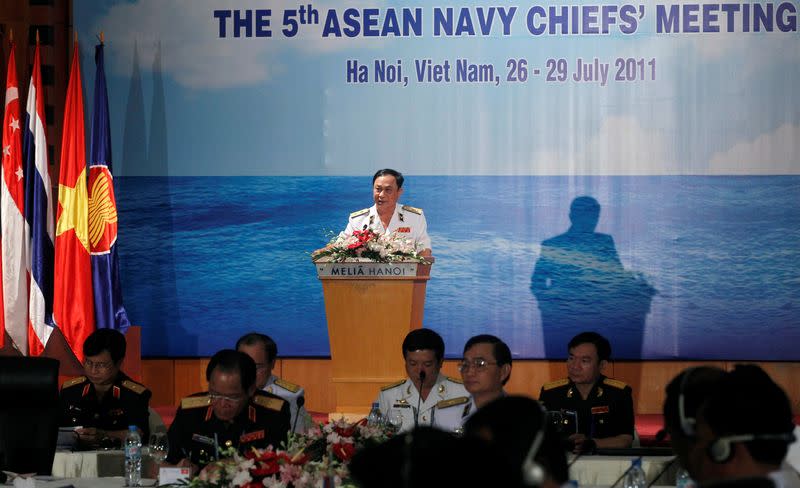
(722, 103)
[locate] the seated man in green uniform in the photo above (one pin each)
(232, 413)
(602, 407)
(105, 401)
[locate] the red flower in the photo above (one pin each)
(345, 431)
(344, 451)
(268, 463)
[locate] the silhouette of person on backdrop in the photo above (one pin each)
(580, 284)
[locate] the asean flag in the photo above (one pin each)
(109, 310)
(73, 310)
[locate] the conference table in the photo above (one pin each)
(586, 470)
(109, 482)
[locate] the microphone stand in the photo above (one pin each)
(300, 402)
(419, 398)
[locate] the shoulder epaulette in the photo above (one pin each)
(393, 385)
(359, 213)
(615, 383)
(272, 403)
(409, 208)
(287, 385)
(134, 386)
(195, 402)
(555, 384)
(455, 380)
(74, 381)
(452, 402)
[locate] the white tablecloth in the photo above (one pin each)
(605, 470)
(96, 464)
(112, 482)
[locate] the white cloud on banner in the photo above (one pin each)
(621, 146)
(776, 153)
(192, 52)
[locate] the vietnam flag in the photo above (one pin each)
(73, 303)
(15, 257)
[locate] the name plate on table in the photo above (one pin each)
(366, 270)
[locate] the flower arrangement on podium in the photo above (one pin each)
(369, 245)
(316, 458)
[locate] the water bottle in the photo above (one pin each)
(133, 457)
(375, 419)
(683, 480)
(635, 477)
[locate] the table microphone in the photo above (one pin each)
(419, 397)
(301, 400)
(624, 474)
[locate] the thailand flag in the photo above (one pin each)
(39, 215)
(109, 310)
(73, 305)
(15, 258)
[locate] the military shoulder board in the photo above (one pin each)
(134, 387)
(615, 383)
(74, 381)
(415, 210)
(555, 384)
(195, 402)
(393, 385)
(287, 385)
(359, 213)
(269, 402)
(452, 402)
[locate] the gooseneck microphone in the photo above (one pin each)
(419, 397)
(301, 400)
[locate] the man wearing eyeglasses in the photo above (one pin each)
(602, 406)
(105, 401)
(416, 397)
(485, 369)
(264, 351)
(231, 414)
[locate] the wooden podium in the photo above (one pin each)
(370, 308)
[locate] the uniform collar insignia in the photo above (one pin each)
(269, 389)
(408, 390)
(599, 392)
(371, 219)
(402, 401)
(209, 412)
(400, 216)
(86, 389)
(441, 388)
(569, 392)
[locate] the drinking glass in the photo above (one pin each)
(395, 418)
(159, 446)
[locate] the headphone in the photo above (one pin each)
(533, 474)
(720, 450)
(687, 423)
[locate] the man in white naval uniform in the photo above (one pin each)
(485, 369)
(388, 216)
(264, 351)
(423, 352)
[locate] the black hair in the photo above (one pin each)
(511, 423)
(421, 339)
(110, 340)
(501, 351)
(747, 401)
(600, 343)
(254, 339)
(398, 176)
(695, 384)
(230, 361)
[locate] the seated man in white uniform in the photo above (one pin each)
(417, 396)
(264, 351)
(388, 216)
(485, 369)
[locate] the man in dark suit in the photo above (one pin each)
(231, 414)
(598, 411)
(105, 401)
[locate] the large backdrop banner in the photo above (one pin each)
(631, 168)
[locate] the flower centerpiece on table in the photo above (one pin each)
(316, 458)
(371, 246)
